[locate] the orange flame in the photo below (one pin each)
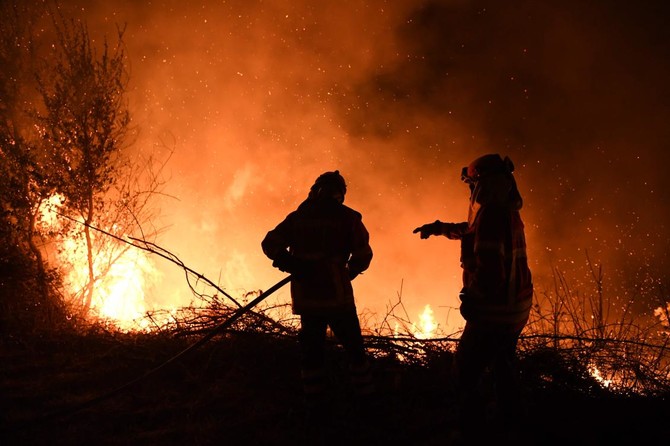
(120, 280)
(427, 324)
(597, 374)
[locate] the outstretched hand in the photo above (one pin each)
(429, 229)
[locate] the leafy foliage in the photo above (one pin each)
(85, 117)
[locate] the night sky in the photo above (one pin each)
(260, 97)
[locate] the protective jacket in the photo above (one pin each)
(497, 282)
(331, 244)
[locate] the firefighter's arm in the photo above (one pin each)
(452, 231)
(275, 245)
(361, 254)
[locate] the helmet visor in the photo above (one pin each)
(464, 176)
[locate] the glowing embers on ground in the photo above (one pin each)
(121, 273)
(595, 373)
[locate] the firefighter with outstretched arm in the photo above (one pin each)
(497, 288)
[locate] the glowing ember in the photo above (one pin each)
(595, 372)
(662, 314)
(48, 216)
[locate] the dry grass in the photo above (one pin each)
(243, 388)
(88, 384)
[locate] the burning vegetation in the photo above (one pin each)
(87, 358)
(204, 373)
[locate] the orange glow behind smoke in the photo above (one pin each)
(119, 295)
(258, 98)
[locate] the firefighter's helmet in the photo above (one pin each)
(486, 165)
(329, 183)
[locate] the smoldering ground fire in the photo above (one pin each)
(257, 98)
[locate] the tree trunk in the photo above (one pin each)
(88, 298)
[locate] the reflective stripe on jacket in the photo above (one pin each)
(497, 282)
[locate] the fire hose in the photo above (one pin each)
(216, 330)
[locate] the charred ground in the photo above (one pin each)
(244, 388)
(62, 384)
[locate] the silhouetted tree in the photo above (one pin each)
(23, 182)
(64, 128)
(84, 123)
(18, 166)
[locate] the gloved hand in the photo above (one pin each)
(434, 228)
(291, 264)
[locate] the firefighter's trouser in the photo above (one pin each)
(481, 347)
(346, 327)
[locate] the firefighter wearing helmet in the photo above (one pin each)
(324, 245)
(497, 286)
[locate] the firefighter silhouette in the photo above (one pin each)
(324, 245)
(497, 286)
